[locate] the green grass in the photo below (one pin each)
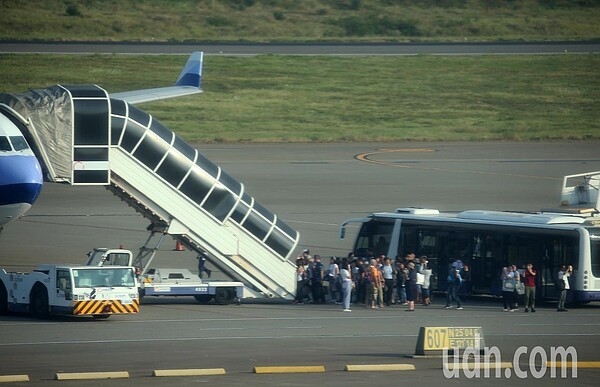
(321, 99)
(306, 20)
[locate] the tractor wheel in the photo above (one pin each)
(38, 305)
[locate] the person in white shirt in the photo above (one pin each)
(333, 271)
(388, 278)
(426, 272)
(346, 279)
(563, 286)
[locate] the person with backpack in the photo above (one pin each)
(371, 280)
(411, 286)
(454, 281)
(509, 284)
(316, 281)
(401, 275)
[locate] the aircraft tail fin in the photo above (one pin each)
(191, 75)
(189, 82)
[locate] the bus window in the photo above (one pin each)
(373, 238)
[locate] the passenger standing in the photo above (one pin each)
(361, 290)
(316, 281)
(300, 280)
(388, 278)
(529, 281)
(454, 281)
(411, 286)
(333, 271)
(346, 279)
(401, 273)
(355, 277)
(517, 286)
(371, 275)
(563, 286)
(426, 272)
(509, 285)
(379, 282)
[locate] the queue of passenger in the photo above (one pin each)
(377, 282)
(374, 282)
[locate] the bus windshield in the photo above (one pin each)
(91, 278)
(374, 238)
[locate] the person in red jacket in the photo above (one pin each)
(529, 281)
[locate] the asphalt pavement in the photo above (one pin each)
(313, 187)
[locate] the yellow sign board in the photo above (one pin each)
(438, 338)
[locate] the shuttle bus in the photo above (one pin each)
(487, 241)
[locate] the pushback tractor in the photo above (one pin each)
(70, 290)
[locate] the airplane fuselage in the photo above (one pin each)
(20, 173)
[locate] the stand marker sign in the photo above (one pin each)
(433, 340)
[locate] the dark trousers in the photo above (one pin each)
(452, 296)
(389, 292)
(299, 291)
(317, 292)
(361, 293)
(509, 299)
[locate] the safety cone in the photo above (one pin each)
(178, 246)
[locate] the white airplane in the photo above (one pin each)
(20, 171)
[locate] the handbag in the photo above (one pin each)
(520, 288)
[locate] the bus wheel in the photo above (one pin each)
(3, 300)
(39, 307)
(203, 298)
(224, 296)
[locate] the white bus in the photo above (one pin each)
(490, 240)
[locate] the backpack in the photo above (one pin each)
(368, 279)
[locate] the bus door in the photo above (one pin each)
(488, 254)
(557, 251)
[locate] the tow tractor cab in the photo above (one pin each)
(109, 257)
(170, 282)
(70, 290)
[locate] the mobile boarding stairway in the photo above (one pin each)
(84, 137)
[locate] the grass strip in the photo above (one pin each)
(334, 99)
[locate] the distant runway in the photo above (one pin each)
(466, 48)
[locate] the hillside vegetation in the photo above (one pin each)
(294, 20)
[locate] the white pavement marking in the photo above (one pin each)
(353, 336)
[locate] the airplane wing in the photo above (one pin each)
(189, 82)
